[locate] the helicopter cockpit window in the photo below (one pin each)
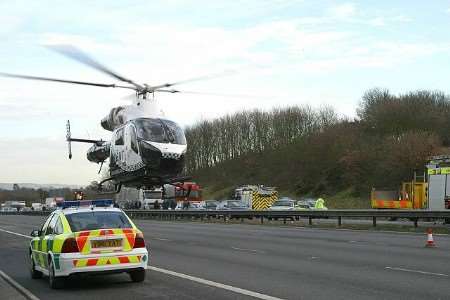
(160, 131)
(174, 132)
(151, 130)
(119, 137)
(133, 141)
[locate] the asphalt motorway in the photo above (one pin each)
(282, 262)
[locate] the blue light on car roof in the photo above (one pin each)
(96, 203)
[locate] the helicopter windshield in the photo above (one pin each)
(160, 131)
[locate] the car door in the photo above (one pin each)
(47, 243)
(39, 250)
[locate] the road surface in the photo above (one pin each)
(280, 262)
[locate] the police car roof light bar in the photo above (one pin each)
(87, 203)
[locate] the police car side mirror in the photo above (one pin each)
(35, 233)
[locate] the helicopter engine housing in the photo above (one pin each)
(98, 153)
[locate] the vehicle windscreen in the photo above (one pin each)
(97, 220)
(235, 204)
(160, 131)
(282, 203)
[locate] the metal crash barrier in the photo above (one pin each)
(264, 215)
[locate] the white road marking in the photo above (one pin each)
(15, 233)
(248, 250)
(18, 287)
(180, 275)
(161, 239)
(215, 284)
(416, 271)
(362, 230)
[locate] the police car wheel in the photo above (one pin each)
(54, 282)
(34, 273)
(138, 275)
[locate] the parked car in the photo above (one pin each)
(189, 206)
(231, 205)
(211, 204)
(303, 205)
(25, 209)
(196, 206)
(9, 209)
(283, 204)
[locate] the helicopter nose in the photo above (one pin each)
(161, 160)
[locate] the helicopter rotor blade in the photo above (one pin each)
(173, 91)
(63, 80)
(80, 56)
(200, 78)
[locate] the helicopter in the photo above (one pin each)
(146, 149)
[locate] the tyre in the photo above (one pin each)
(138, 275)
(33, 272)
(54, 282)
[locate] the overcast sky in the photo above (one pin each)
(283, 53)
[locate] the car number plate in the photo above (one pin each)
(106, 243)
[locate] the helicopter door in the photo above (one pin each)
(119, 147)
(131, 148)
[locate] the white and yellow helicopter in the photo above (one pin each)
(146, 149)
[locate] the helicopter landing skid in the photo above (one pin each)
(117, 187)
(144, 182)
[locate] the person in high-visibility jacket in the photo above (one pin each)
(320, 204)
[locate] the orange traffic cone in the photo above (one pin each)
(430, 242)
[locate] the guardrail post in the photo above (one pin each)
(310, 221)
(284, 220)
(262, 219)
(374, 221)
(339, 221)
(415, 222)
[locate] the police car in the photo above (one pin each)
(87, 237)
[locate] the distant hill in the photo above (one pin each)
(9, 186)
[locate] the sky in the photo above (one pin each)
(271, 54)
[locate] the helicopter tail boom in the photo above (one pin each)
(69, 140)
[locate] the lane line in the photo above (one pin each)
(362, 230)
(18, 287)
(248, 250)
(180, 275)
(215, 284)
(161, 239)
(417, 271)
(15, 233)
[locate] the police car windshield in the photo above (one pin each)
(97, 220)
(160, 131)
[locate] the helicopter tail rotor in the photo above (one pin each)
(69, 138)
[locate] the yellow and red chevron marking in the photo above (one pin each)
(393, 204)
(102, 261)
(83, 237)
